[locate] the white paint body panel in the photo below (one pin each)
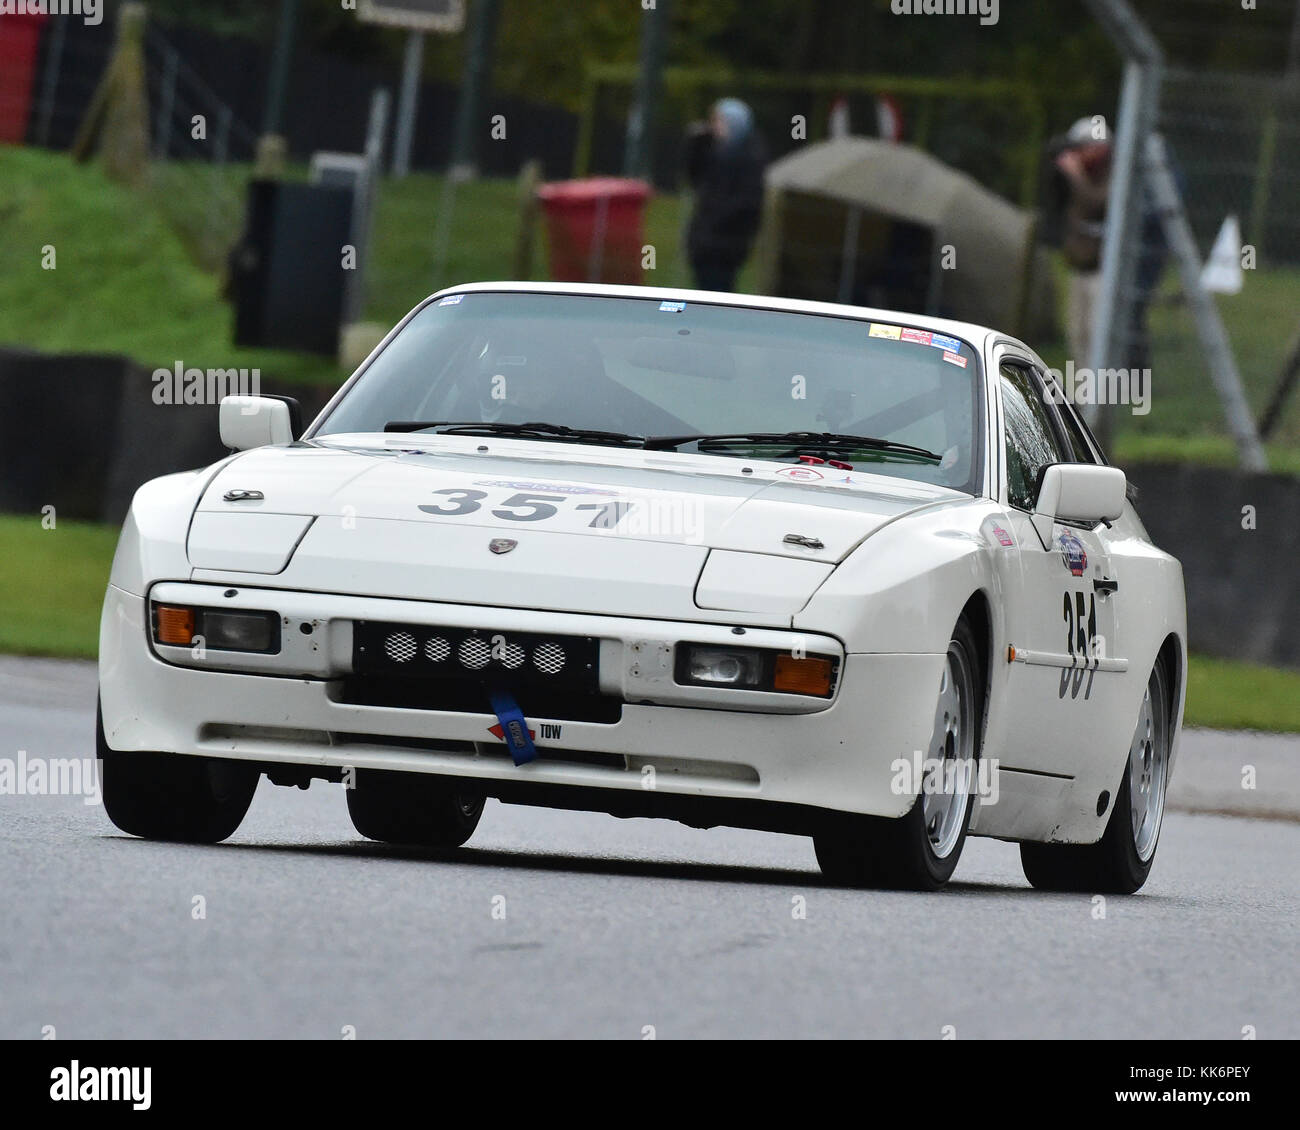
(244, 543)
(752, 582)
(704, 559)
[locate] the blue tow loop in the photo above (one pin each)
(514, 727)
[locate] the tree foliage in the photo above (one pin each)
(543, 46)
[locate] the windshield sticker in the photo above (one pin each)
(451, 300)
(566, 488)
(671, 307)
(800, 474)
(918, 337)
(951, 344)
(894, 333)
(954, 358)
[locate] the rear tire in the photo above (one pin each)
(174, 797)
(414, 809)
(1121, 860)
(919, 851)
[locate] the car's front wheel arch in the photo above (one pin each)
(921, 849)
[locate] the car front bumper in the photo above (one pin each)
(836, 754)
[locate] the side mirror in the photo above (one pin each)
(1078, 492)
(254, 421)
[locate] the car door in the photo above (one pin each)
(1064, 617)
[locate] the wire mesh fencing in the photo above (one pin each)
(201, 153)
(1232, 152)
(200, 150)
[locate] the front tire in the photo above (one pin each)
(174, 797)
(414, 809)
(919, 851)
(1121, 860)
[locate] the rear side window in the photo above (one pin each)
(1030, 437)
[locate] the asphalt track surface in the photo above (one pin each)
(553, 924)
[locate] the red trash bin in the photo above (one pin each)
(595, 228)
(20, 38)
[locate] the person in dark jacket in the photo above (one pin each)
(724, 164)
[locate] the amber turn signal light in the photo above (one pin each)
(173, 625)
(802, 676)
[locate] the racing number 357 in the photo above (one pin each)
(525, 507)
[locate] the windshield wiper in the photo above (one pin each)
(792, 442)
(535, 429)
(829, 442)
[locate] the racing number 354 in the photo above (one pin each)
(1082, 644)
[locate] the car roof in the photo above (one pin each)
(978, 336)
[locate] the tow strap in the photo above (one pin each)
(514, 727)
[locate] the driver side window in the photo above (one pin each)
(1030, 438)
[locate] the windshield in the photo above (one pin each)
(648, 368)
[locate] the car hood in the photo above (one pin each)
(717, 502)
(458, 519)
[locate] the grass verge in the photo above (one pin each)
(53, 585)
(1229, 695)
(88, 266)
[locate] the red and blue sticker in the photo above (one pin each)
(1073, 554)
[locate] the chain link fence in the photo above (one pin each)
(1232, 145)
(201, 154)
(1237, 145)
(201, 151)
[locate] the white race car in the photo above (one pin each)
(728, 560)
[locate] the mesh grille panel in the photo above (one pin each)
(490, 656)
(400, 647)
(549, 658)
(474, 654)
